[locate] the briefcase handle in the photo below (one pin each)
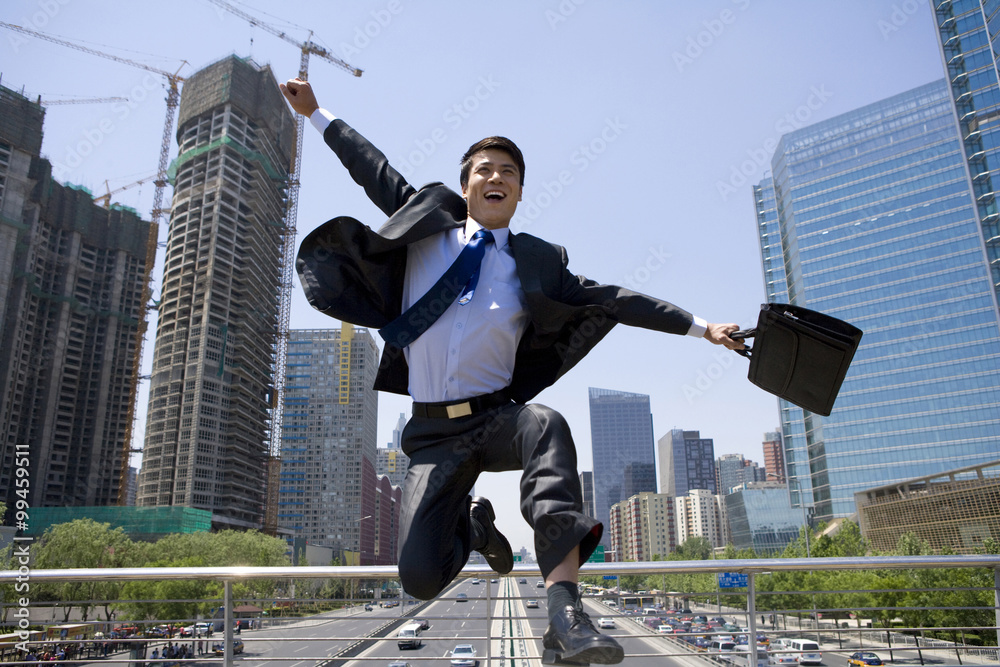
(743, 334)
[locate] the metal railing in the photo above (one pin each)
(508, 637)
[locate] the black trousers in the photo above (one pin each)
(446, 457)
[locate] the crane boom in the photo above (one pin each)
(85, 100)
(308, 45)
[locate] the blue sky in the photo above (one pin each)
(643, 125)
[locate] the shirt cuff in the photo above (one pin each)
(698, 327)
(321, 119)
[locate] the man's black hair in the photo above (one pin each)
(499, 143)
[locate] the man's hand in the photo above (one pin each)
(300, 95)
(719, 335)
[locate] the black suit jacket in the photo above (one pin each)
(354, 274)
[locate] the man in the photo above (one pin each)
(472, 351)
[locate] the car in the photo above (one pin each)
(782, 659)
(606, 623)
(422, 623)
(461, 597)
(494, 581)
(464, 655)
(220, 649)
(539, 584)
(475, 582)
(399, 663)
(665, 629)
(187, 631)
(864, 658)
(701, 644)
(408, 637)
(531, 604)
(522, 580)
(368, 607)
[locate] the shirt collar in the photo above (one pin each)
(500, 236)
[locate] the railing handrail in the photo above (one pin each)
(744, 566)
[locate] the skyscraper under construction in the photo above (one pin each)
(211, 387)
(71, 284)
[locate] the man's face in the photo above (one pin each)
(494, 188)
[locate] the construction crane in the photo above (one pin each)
(84, 100)
(173, 99)
(307, 49)
(105, 199)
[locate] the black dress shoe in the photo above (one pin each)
(572, 639)
(495, 547)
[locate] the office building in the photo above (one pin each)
(642, 526)
(732, 470)
(774, 457)
(876, 222)
(329, 492)
(761, 518)
(212, 380)
(392, 462)
(698, 514)
(587, 486)
(687, 461)
(72, 278)
(957, 510)
(621, 435)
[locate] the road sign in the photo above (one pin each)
(598, 555)
(732, 580)
(611, 576)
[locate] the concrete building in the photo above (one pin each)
(774, 457)
(329, 492)
(687, 461)
(621, 436)
(884, 216)
(71, 286)
(642, 527)
(698, 514)
(211, 387)
(957, 509)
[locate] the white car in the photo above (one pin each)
(606, 623)
(464, 655)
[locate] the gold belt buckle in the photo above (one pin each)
(458, 410)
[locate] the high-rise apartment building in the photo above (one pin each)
(687, 461)
(208, 422)
(329, 493)
(875, 219)
(621, 435)
(774, 457)
(697, 514)
(71, 285)
(642, 526)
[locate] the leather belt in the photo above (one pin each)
(456, 409)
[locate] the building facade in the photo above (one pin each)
(774, 457)
(329, 492)
(697, 514)
(687, 461)
(957, 510)
(71, 285)
(587, 486)
(875, 220)
(392, 462)
(621, 435)
(761, 518)
(642, 526)
(212, 381)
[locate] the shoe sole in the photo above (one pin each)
(601, 655)
(508, 562)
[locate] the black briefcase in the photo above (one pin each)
(800, 355)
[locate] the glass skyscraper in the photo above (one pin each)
(872, 217)
(621, 435)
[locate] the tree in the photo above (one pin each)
(84, 543)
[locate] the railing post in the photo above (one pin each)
(489, 623)
(227, 618)
(996, 601)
